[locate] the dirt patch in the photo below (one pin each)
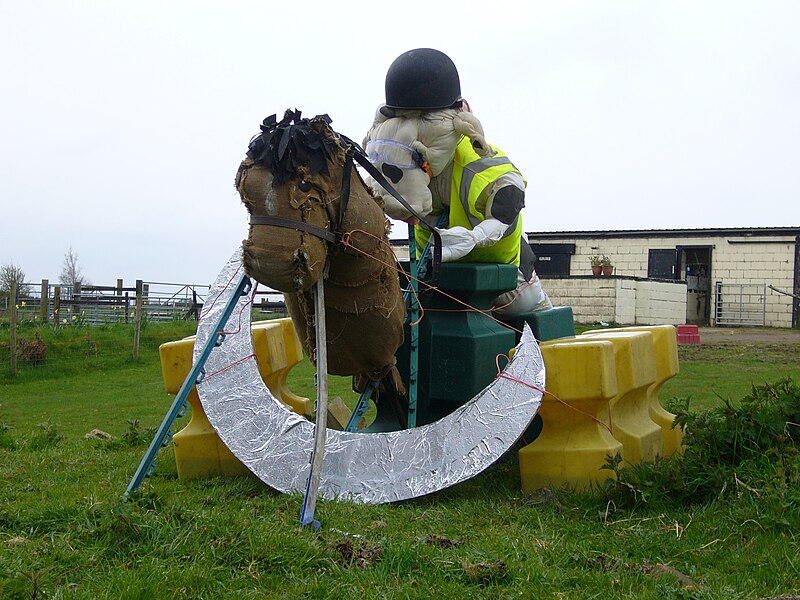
(609, 564)
(360, 555)
(485, 572)
(726, 344)
(737, 335)
(733, 351)
(442, 541)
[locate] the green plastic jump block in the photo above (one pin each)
(477, 277)
(550, 324)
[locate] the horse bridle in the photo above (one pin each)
(319, 232)
(353, 152)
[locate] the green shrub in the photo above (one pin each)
(724, 448)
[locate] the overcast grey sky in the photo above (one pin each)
(122, 124)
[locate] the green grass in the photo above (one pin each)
(65, 533)
(712, 372)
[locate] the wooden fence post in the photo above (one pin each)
(12, 322)
(76, 298)
(137, 319)
(44, 305)
(119, 299)
(56, 302)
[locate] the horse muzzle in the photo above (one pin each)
(283, 259)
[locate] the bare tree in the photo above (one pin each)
(70, 271)
(11, 273)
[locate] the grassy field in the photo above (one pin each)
(711, 372)
(65, 533)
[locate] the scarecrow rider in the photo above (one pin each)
(429, 144)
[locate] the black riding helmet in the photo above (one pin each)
(422, 79)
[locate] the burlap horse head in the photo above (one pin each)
(293, 184)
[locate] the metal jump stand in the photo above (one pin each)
(179, 406)
(162, 438)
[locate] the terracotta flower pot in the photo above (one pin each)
(596, 270)
(608, 270)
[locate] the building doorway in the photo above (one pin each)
(695, 267)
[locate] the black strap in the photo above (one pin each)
(292, 224)
(345, 195)
(361, 158)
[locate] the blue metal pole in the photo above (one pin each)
(179, 405)
(412, 301)
(418, 267)
(361, 406)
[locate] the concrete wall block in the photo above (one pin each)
(603, 292)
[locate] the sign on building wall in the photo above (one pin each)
(552, 260)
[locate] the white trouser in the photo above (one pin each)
(527, 297)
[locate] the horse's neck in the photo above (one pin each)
(365, 250)
(363, 212)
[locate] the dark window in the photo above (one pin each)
(662, 264)
(552, 260)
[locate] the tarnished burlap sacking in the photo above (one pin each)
(365, 308)
(364, 305)
(284, 259)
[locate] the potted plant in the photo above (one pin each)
(606, 266)
(597, 265)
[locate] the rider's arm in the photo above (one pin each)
(505, 198)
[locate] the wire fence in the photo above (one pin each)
(101, 304)
(41, 315)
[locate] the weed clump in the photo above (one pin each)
(34, 351)
(136, 436)
(7, 442)
(48, 436)
(726, 449)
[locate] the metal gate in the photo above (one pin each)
(740, 304)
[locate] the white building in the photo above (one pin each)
(741, 276)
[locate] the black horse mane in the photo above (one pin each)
(284, 145)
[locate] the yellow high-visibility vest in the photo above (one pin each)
(472, 174)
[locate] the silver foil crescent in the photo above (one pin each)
(275, 443)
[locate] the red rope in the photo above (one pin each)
(504, 375)
(230, 366)
(225, 288)
(346, 241)
(239, 325)
(239, 316)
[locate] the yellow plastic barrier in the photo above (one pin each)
(667, 366)
(575, 437)
(199, 452)
(278, 350)
(635, 357)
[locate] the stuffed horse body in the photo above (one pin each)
(415, 149)
(292, 184)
